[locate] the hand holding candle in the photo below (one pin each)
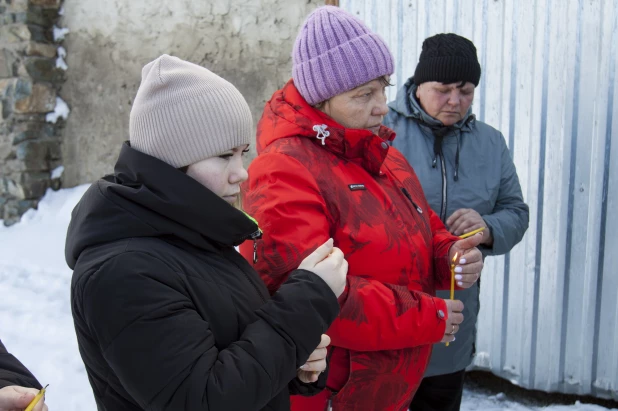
(454, 317)
(36, 400)
(466, 267)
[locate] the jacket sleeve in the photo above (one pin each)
(165, 354)
(297, 387)
(13, 372)
(509, 219)
(286, 201)
(442, 242)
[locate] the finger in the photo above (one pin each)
(469, 242)
(344, 267)
(470, 225)
(455, 306)
(455, 216)
(448, 338)
(451, 329)
(305, 376)
(470, 256)
(317, 366)
(462, 271)
(16, 397)
(470, 277)
(463, 220)
(455, 318)
(40, 406)
(324, 342)
(467, 284)
(317, 354)
(469, 268)
(320, 253)
(335, 256)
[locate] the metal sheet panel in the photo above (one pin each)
(549, 317)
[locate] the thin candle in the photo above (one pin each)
(453, 279)
(37, 398)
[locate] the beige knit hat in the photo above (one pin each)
(184, 113)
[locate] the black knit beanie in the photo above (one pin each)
(448, 58)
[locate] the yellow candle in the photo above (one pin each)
(453, 280)
(471, 233)
(36, 399)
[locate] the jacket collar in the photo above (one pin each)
(287, 114)
(146, 197)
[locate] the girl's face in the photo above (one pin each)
(222, 174)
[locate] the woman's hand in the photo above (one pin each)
(329, 264)
(469, 260)
(310, 371)
(454, 318)
(17, 398)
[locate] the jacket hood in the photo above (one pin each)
(407, 105)
(287, 114)
(146, 197)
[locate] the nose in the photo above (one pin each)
(381, 109)
(239, 174)
(453, 98)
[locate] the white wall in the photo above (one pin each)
(549, 310)
(248, 42)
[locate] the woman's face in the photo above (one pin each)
(361, 108)
(448, 103)
(222, 174)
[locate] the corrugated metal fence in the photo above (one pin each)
(549, 317)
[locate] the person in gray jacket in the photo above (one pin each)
(469, 179)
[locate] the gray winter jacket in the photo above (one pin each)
(475, 170)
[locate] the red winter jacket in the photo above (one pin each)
(310, 183)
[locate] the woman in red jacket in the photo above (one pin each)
(326, 169)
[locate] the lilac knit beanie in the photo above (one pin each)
(336, 52)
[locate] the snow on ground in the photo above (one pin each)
(35, 315)
(474, 400)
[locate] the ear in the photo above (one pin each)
(418, 90)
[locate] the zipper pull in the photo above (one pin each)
(409, 197)
(255, 257)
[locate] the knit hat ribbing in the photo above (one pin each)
(335, 52)
(448, 58)
(184, 113)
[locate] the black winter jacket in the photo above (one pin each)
(168, 315)
(13, 372)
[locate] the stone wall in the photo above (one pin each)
(29, 83)
(248, 42)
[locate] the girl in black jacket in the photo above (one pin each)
(168, 315)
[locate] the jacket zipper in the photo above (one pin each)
(254, 236)
(443, 204)
(409, 197)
